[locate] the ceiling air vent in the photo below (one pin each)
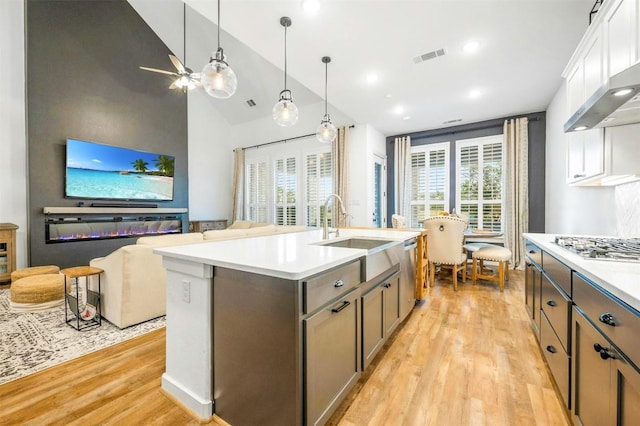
(429, 55)
(251, 103)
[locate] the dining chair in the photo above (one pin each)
(398, 221)
(445, 238)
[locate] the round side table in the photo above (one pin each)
(90, 316)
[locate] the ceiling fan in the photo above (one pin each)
(185, 78)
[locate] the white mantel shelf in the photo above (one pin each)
(110, 210)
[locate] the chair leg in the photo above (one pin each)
(474, 273)
(507, 271)
(455, 277)
(464, 272)
(432, 273)
(501, 266)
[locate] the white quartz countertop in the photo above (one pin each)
(621, 279)
(290, 256)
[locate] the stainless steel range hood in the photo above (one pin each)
(607, 107)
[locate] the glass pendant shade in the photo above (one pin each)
(326, 131)
(218, 79)
(285, 112)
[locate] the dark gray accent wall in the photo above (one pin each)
(83, 82)
(537, 141)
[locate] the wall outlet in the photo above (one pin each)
(186, 291)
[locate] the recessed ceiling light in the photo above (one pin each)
(372, 78)
(475, 93)
(406, 117)
(310, 6)
(471, 47)
(388, 96)
(398, 110)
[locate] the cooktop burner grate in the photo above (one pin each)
(596, 248)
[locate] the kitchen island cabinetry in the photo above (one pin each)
(380, 313)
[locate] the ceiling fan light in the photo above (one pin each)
(218, 79)
(285, 112)
(326, 131)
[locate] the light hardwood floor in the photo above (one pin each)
(462, 358)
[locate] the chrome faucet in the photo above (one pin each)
(326, 231)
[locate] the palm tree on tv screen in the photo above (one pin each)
(140, 165)
(165, 165)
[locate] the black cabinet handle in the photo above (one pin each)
(551, 302)
(338, 283)
(341, 307)
(605, 353)
(607, 318)
(551, 349)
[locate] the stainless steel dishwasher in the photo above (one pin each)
(408, 277)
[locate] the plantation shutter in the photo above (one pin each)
(257, 192)
(319, 185)
(285, 194)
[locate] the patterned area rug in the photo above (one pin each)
(33, 341)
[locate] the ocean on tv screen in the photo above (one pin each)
(120, 185)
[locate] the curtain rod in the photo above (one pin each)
(285, 140)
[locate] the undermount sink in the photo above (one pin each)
(356, 243)
(381, 254)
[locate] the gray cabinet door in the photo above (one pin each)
(391, 304)
(373, 330)
(591, 375)
(331, 356)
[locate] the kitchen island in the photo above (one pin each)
(270, 330)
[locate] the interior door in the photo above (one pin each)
(379, 192)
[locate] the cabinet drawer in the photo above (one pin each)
(327, 286)
(557, 308)
(556, 357)
(558, 271)
(596, 305)
(534, 253)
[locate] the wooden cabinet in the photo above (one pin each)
(7, 250)
(207, 225)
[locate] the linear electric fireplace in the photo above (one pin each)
(67, 229)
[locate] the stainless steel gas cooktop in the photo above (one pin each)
(596, 248)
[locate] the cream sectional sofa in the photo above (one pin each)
(133, 284)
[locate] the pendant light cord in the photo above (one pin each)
(326, 73)
(219, 26)
(285, 57)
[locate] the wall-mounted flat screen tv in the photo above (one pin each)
(106, 172)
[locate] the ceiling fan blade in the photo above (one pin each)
(159, 71)
(176, 63)
(173, 85)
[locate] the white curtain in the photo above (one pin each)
(340, 157)
(238, 185)
(516, 140)
(402, 176)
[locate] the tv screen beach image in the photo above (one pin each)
(111, 172)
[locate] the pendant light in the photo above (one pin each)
(326, 131)
(285, 112)
(217, 78)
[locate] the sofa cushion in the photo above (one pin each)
(240, 224)
(224, 234)
(170, 240)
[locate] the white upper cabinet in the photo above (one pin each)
(609, 46)
(620, 25)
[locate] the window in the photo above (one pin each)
(287, 184)
(285, 191)
(319, 185)
(429, 181)
(256, 191)
(479, 181)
